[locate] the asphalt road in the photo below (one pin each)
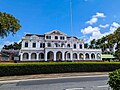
(71, 83)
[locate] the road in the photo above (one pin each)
(69, 83)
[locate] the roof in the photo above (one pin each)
(56, 32)
(107, 56)
(34, 34)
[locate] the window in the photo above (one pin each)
(34, 45)
(62, 38)
(56, 37)
(74, 46)
(26, 44)
(48, 37)
(80, 46)
(49, 44)
(42, 45)
(68, 45)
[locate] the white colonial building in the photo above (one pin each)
(55, 46)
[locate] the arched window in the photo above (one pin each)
(41, 56)
(33, 56)
(50, 55)
(68, 55)
(81, 56)
(86, 56)
(25, 56)
(92, 56)
(74, 56)
(98, 56)
(59, 55)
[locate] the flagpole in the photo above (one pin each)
(71, 16)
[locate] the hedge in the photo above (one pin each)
(56, 67)
(114, 80)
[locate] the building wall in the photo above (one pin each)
(56, 46)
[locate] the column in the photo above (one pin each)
(95, 56)
(29, 56)
(37, 56)
(78, 57)
(0, 57)
(10, 56)
(54, 56)
(83, 56)
(63, 59)
(100, 56)
(45, 56)
(71, 56)
(90, 56)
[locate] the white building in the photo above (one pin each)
(55, 46)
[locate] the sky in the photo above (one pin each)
(91, 19)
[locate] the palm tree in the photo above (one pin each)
(8, 24)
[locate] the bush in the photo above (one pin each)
(56, 67)
(114, 80)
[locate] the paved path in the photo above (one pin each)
(96, 82)
(40, 76)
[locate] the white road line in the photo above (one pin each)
(103, 86)
(74, 89)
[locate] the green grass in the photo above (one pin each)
(53, 63)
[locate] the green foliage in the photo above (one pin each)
(56, 67)
(8, 24)
(114, 80)
(15, 46)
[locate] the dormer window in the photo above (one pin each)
(56, 37)
(48, 37)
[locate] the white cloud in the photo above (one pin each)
(104, 26)
(114, 27)
(92, 21)
(26, 33)
(94, 18)
(99, 15)
(96, 34)
(90, 30)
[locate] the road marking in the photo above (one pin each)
(103, 86)
(74, 89)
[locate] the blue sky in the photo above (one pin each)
(91, 18)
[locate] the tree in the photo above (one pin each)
(15, 46)
(8, 24)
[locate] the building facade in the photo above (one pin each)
(55, 46)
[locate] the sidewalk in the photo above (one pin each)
(42, 76)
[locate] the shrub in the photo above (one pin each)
(56, 67)
(114, 80)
